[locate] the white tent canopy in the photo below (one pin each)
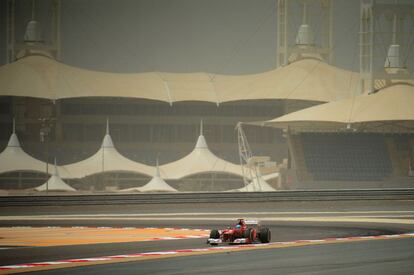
(157, 184)
(200, 160)
(257, 185)
(55, 183)
(305, 79)
(13, 158)
(388, 107)
(107, 159)
(42, 77)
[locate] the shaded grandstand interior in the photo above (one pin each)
(109, 181)
(112, 181)
(141, 129)
(22, 179)
(208, 182)
(346, 157)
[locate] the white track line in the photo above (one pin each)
(107, 227)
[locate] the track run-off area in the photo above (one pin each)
(308, 237)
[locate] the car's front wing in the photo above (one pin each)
(236, 241)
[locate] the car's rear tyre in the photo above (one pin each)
(215, 234)
(265, 235)
(250, 234)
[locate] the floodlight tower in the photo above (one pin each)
(33, 42)
(371, 39)
(304, 44)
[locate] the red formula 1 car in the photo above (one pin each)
(244, 232)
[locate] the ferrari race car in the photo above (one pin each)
(244, 232)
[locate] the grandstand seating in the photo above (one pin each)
(346, 157)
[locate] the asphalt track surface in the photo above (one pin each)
(377, 257)
(281, 232)
(363, 257)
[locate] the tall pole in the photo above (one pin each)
(33, 9)
(329, 34)
(282, 25)
(10, 31)
(394, 29)
(47, 162)
(366, 40)
(46, 125)
(305, 13)
(56, 36)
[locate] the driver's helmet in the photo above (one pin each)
(238, 226)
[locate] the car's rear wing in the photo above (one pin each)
(252, 222)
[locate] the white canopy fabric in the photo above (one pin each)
(107, 159)
(200, 160)
(271, 176)
(257, 185)
(305, 79)
(13, 158)
(393, 104)
(55, 183)
(156, 184)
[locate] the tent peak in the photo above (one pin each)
(55, 183)
(56, 173)
(107, 126)
(107, 141)
(13, 141)
(201, 143)
(157, 169)
(157, 184)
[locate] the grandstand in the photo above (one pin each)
(337, 128)
(366, 140)
(346, 157)
(152, 114)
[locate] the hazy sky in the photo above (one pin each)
(218, 36)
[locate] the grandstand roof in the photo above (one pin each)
(156, 184)
(306, 79)
(256, 185)
(390, 108)
(14, 158)
(55, 183)
(200, 160)
(107, 159)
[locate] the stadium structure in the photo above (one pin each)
(366, 140)
(329, 123)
